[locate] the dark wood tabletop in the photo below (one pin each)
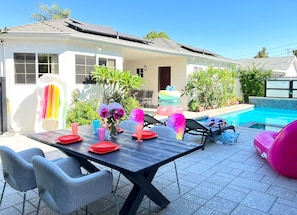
(139, 162)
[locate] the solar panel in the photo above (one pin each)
(104, 31)
(200, 51)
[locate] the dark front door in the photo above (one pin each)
(164, 77)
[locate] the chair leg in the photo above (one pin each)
(24, 201)
(118, 181)
(2, 194)
(116, 202)
(176, 177)
(38, 206)
(203, 141)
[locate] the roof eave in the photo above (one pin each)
(108, 41)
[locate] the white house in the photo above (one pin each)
(70, 48)
(281, 67)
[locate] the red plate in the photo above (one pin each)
(104, 147)
(66, 139)
(147, 134)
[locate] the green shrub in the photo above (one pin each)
(210, 88)
(252, 81)
(129, 103)
(83, 112)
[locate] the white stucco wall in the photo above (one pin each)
(21, 98)
(291, 72)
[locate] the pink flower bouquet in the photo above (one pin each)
(112, 113)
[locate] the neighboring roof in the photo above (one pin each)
(108, 34)
(270, 63)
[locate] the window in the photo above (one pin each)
(197, 68)
(47, 63)
(139, 72)
(111, 63)
(84, 65)
(24, 64)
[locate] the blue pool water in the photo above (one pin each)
(261, 118)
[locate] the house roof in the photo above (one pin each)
(98, 33)
(277, 64)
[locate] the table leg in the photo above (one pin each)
(87, 165)
(142, 186)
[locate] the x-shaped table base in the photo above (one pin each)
(142, 186)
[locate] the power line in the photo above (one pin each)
(270, 51)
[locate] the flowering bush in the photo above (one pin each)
(112, 113)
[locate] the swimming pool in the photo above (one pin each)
(261, 118)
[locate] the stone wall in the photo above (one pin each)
(282, 103)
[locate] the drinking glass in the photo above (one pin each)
(101, 134)
(74, 127)
(96, 125)
(139, 129)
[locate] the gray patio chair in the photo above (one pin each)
(167, 132)
(139, 95)
(63, 187)
(18, 170)
(194, 127)
(128, 125)
(147, 98)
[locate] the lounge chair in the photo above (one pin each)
(150, 121)
(194, 127)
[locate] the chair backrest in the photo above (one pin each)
(193, 125)
(17, 168)
(177, 121)
(148, 94)
(284, 150)
(137, 115)
(64, 188)
(128, 125)
(140, 94)
(150, 120)
(164, 131)
(53, 182)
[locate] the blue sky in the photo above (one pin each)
(231, 28)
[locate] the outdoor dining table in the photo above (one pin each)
(138, 162)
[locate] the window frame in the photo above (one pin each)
(35, 66)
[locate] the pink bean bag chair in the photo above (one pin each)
(279, 149)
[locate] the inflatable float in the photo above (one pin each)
(169, 102)
(51, 103)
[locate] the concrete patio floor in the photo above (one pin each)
(222, 179)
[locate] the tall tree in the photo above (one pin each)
(154, 34)
(295, 52)
(262, 54)
(46, 12)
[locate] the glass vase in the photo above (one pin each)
(112, 131)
